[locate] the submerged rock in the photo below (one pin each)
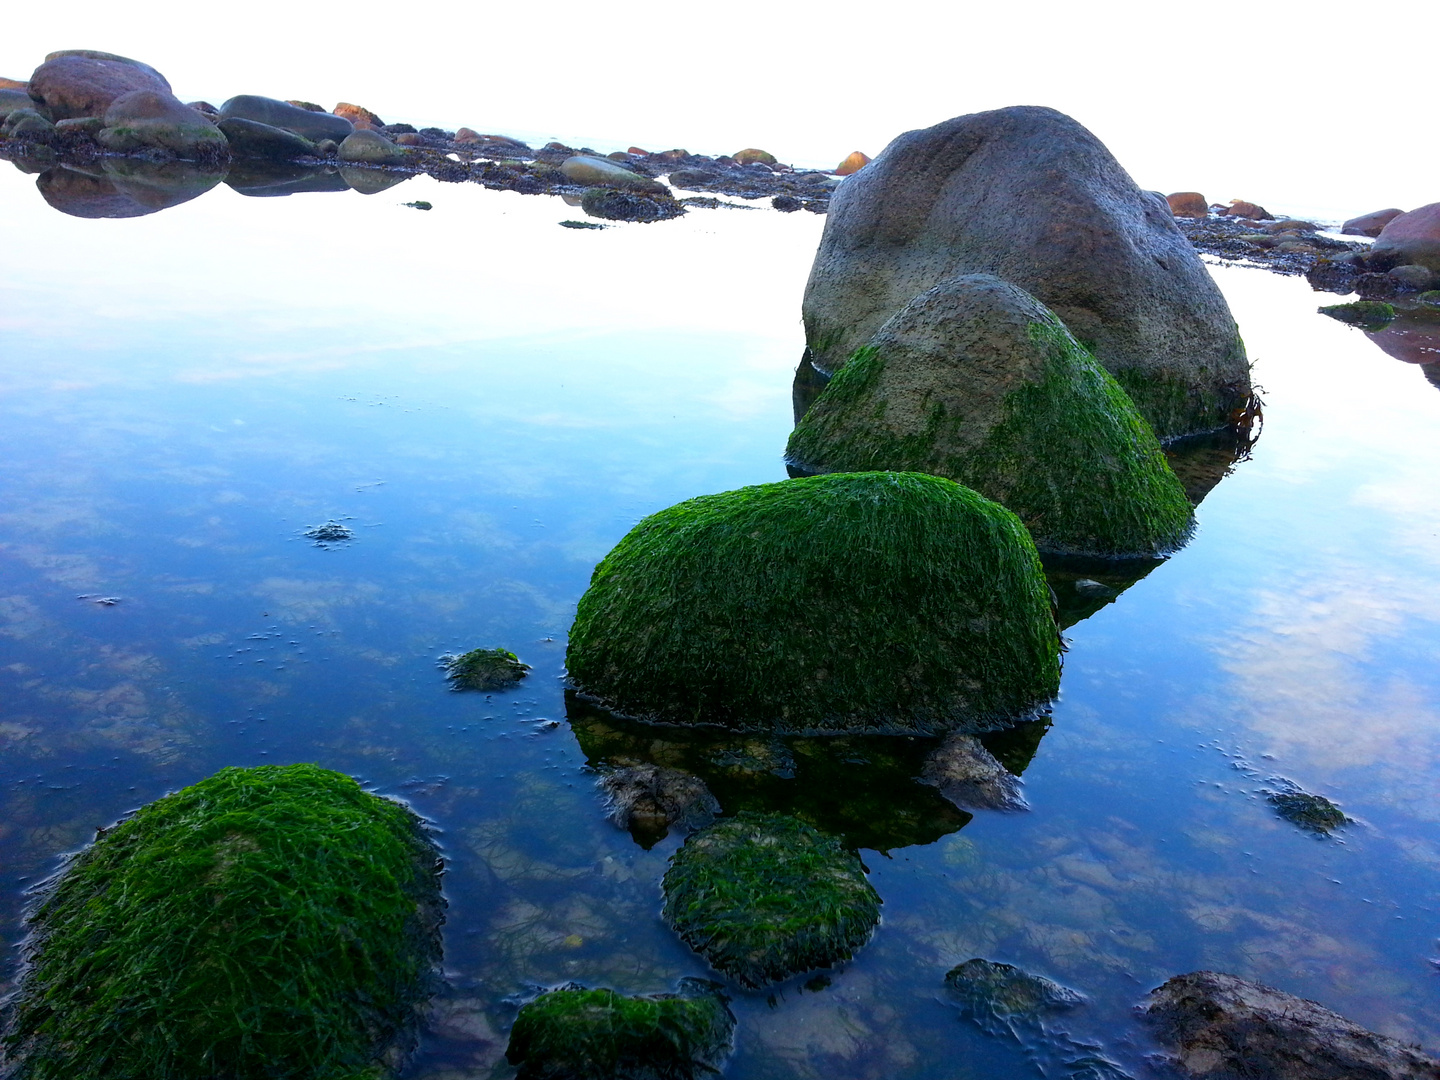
(763, 897)
(1371, 314)
(311, 125)
(272, 921)
(84, 82)
(332, 532)
(996, 996)
(1370, 224)
(849, 602)
(630, 205)
(574, 1033)
(1029, 195)
(977, 381)
(1221, 1026)
(969, 776)
(1314, 813)
(151, 119)
(646, 800)
(484, 669)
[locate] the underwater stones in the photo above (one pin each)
(83, 82)
(881, 602)
(575, 1033)
(1190, 204)
(752, 156)
(484, 669)
(271, 921)
(1372, 314)
(311, 125)
(1412, 238)
(1222, 1026)
(764, 896)
(332, 532)
(996, 996)
(152, 119)
(630, 205)
(853, 163)
(977, 381)
(370, 148)
(969, 776)
(1370, 224)
(646, 800)
(601, 172)
(1029, 195)
(1314, 813)
(252, 139)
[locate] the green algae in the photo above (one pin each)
(484, 669)
(1069, 454)
(881, 602)
(1368, 314)
(764, 896)
(575, 1033)
(270, 922)
(1314, 813)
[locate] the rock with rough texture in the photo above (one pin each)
(370, 148)
(150, 119)
(358, 115)
(250, 139)
(853, 163)
(1370, 224)
(1221, 1027)
(646, 800)
(1241, 208)
(1029, 195)
(83, 82)
(977, 381)
(630, 205)
(751, 156)
(1412, 238)
(1313, 813)
(788, 607)
(1189, 204)
(969, 776)
(602, 172)
(484, 670)
(14, 101)
(310, 125)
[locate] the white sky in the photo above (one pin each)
(1309, 108)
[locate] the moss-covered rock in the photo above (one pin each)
(267, 922)
(848, 602)
(1313, 813)
(574, 1033)
(977, 381)
(1370, 314)
(764, 896)
(484, 669)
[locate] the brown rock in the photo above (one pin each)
(468, 135)
(1409, 238)
(1188, 204)
(85, 83)
(1241, 208)
(637, 150)
(308, 106)
(409, 138)
(673, 155)
(1370, 224)
(13, 84)
(1222, 1026)
(751, 155)
(1291, 226)
(358, 115)
(852, 164)
(154, 119)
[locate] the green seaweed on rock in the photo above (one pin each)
(880, 602)
(270, 922)
(1367, 314)
(484, 669)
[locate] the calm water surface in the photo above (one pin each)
(490, 402)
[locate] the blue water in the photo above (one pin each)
(489, 402)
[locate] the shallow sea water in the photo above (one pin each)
(490, 402)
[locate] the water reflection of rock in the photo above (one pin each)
(263, 179)
(1413, 336)
(123, 187)
(864, 789)
(1084, 585)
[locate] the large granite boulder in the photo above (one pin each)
(1222, 1027)
(1410, 239)
(310, 125)
(83, 82)
(977, 381)
(1029, 195)
(250, 139)
(152, 119)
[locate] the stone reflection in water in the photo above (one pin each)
(1413, 336)
(371, 181)
(269, 179)
(1083, 585)
(123, 187)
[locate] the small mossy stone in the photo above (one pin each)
(1370, 314)
(1314, 813)
(484, 669)
(265, 922)
(572, 224)
(879, 602)
(764, 896)
(575, 1033)
(977, 381)
(997, 995)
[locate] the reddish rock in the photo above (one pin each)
(468, 135)
(13, 84)
(1188, 204)
(409, 138)
(1370, 224)
(852, 164)
(1409, 238)
(85, 83)
(358, 115)
(673, 155)
(1241, 208)
(637, 150)
(751, 155)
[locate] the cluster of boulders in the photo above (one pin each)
(1402, 264)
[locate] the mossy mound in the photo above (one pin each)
(270, 922)
(1369, 314)
(977, 381)
(484, 669)
(573, 1033)
(764, 896)
(850, 602)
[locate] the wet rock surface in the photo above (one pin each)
(1221, 1027)
(969, 776)
(648, 800)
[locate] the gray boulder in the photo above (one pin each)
(1221, 1027)
(370, 148)
(1031, 196)
(601, 172)
(154, 119)
(310, 125)
(84, 82)
(251, 139)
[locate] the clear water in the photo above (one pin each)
(490, 401)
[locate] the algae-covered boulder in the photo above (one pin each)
(574, 1033)
(154, 119)
(266, 922)
(484, 669)
(978, 381)
(764, 896)
(1031, 196)
(847, 602)
(642, 206)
